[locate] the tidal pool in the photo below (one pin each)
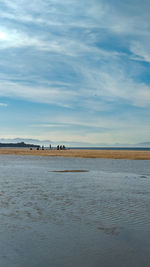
(98, 217)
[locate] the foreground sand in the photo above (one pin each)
(112, 154)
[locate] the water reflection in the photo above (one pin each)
(95, 218)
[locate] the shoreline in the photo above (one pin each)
(80, 153)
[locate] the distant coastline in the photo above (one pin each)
(101, 148)
(18, 145)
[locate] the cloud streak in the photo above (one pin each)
(88, 58)
(3, 105)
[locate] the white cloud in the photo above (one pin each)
(3, 36)
(115, 84)
(98, 91)
(51, 43)
(49, 95)
(3, 105)
(141, 51)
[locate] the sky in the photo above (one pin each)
(75, 71)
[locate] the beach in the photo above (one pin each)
(80, 153)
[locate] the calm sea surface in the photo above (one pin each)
(114, 148)
(98, 218)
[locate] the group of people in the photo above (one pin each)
(61, 147)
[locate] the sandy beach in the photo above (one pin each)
(84, 153)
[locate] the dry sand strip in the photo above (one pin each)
(80, 153)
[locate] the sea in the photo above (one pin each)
(97, 214)
(114, 148)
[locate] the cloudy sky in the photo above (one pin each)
(75, 70)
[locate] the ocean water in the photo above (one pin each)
(114, 148)
(85, 219)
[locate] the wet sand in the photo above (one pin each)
(84, 153)
(75, 219)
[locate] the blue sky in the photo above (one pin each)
(75, 71)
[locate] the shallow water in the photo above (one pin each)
(92, 219)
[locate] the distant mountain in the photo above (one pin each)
(25, 140)
(144, 144)
(45, 142)
(21, 144)
(69, 144)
